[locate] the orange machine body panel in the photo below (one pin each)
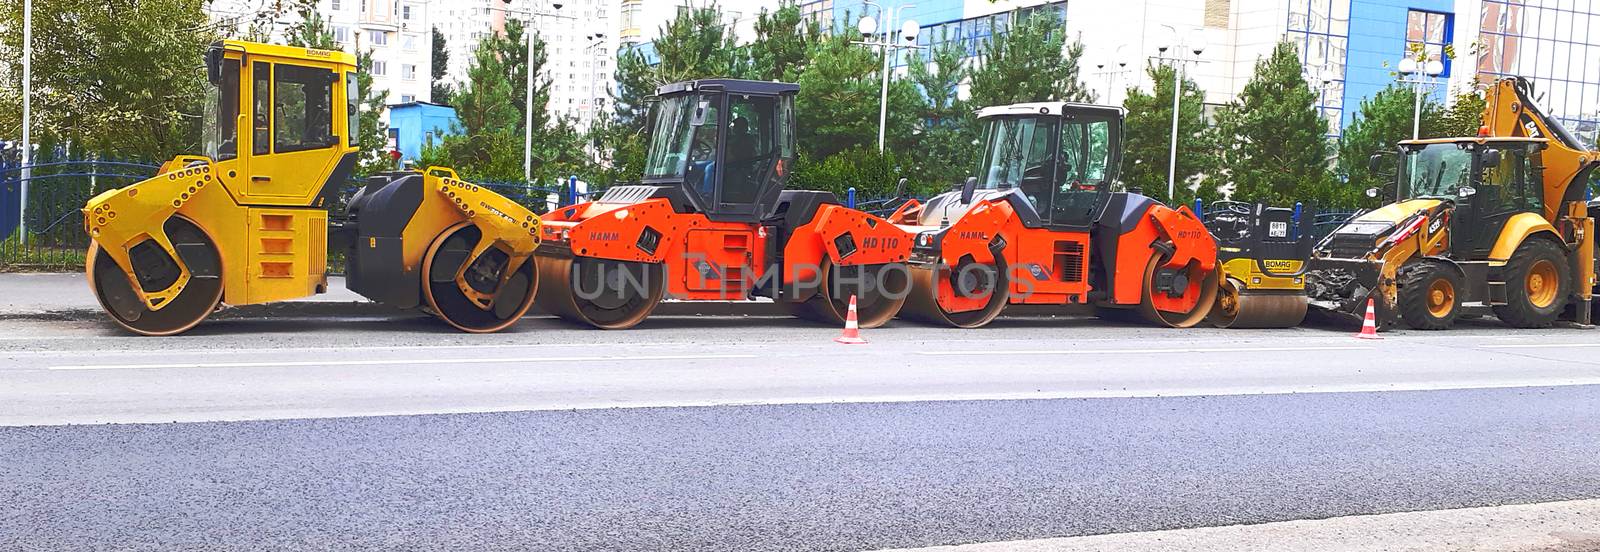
(710, 260)
(1052, 266)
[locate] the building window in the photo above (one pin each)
(407, 98)
(1427, 33)
(410, 43)
(405, 13)
(379, 38)
(408, 72)
(336, 5)
(341, 34)
(1320, 30)
(380, 67)
(1535, 41)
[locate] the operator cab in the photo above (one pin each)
(1061, 158)
(727, 144)
(1486, 180)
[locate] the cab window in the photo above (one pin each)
(261, 114)
(1085, 159)
(1505, 186)
(751, 146)
(303, 109)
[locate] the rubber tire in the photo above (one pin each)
(1416, 281)
(1519, 311)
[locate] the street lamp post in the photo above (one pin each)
(27, 119)
(527, 123)
(1419, 75)
(1178, 61)
(1121, 62)
(908, 31)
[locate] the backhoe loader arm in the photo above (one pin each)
(1512, 112)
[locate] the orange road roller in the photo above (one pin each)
(710, 220)
(1041, 225)
(248, 222)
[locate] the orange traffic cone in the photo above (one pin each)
(852, 331)
(1369, 326)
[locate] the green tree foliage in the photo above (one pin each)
(872, 174)
(311, 31)
(1030, 62)
(783, 40)
(372, 136)
(511, 49)
(119, 78)
(1462, 118)
(945, 150)
(1147, 140)
(1276, 142)
(839, 107)
(697, 44)
(1382, 122)
(488, 144)
(443, 92)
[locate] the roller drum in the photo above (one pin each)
(614, 308)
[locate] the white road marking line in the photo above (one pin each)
(1538, 526)
(400, 348)
(397, 362)
(1152, 350)
(323, 408)
(1539, 346)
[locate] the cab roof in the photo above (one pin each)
(1474, 139)
(735, 86)
(1049, 108)
(288, 52)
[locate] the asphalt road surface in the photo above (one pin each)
(735, 433)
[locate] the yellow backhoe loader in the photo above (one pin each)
(1496, 222)
(248, 222)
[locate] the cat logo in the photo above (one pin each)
(604, 236)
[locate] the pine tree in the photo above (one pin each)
(1030, 62)
(372, 136)
(311, 31)
(839, 107)
(443, 92)
(783, 38)
(1277, 142)
(945, 153)
(697, 44)
(511, 49)
(487, 144)
(1147, 141)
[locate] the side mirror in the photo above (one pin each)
(214, 66)
(1467, 191)
(1375, 162)
(1372, 192)
(1491, 158)
(900, 189)
(968, 188)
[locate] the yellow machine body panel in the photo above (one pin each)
(1518, 229)
(1249, 272)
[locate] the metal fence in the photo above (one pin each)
(47, 233)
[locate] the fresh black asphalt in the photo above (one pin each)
(794, 477)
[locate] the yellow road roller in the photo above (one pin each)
(1263, 251)
(248, 221)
